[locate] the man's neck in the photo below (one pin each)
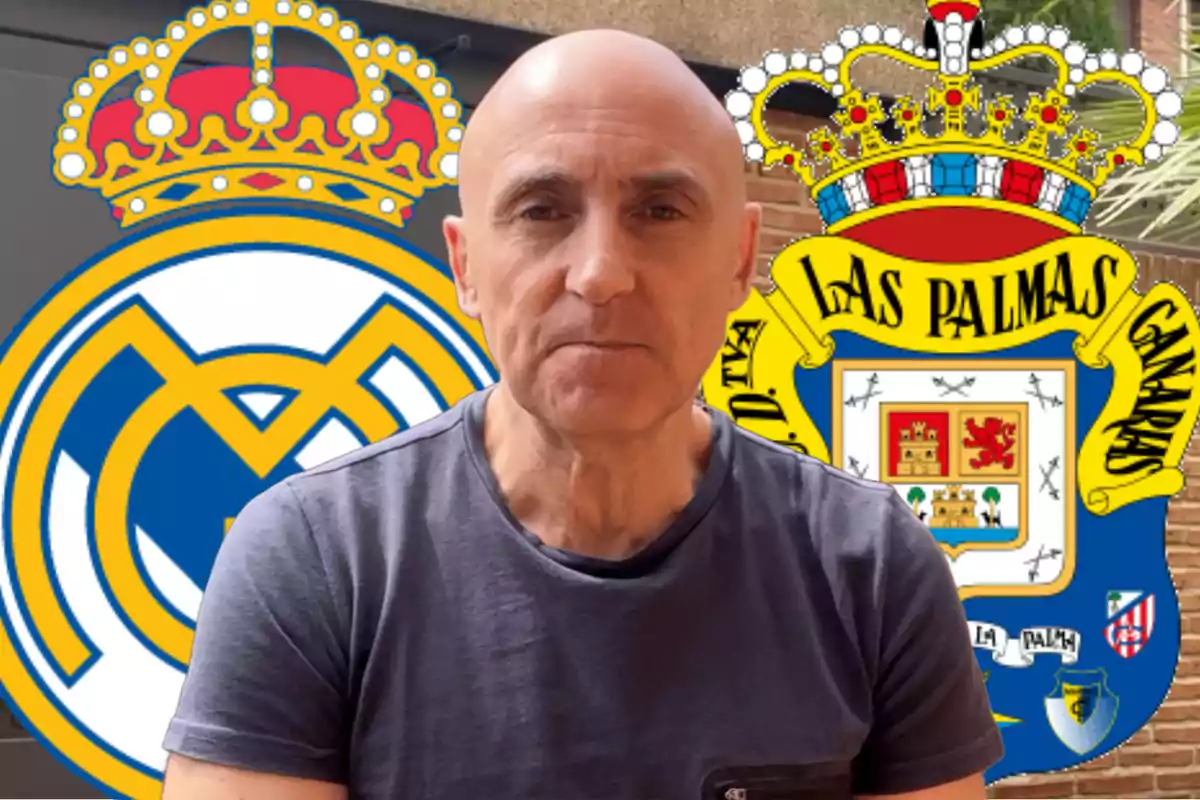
(605, 499)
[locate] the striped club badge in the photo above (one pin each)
(1130, 622)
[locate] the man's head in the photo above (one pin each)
(605, 233)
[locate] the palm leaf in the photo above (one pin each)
(1155, 200)
(1160, 200)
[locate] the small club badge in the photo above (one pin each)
(1081, 709)
(1130, 622)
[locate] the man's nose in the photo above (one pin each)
(601, 266)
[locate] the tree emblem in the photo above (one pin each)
(991, 496)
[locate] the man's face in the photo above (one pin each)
(602, 256)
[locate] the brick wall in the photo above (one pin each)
(1156, 30)
(1161, 761)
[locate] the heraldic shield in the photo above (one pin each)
(263, 312)
(954, 333)
(1081, 709)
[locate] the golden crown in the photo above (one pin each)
(263, 131)
(956, 148)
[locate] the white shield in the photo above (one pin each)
(981, 450)
(1081, 709)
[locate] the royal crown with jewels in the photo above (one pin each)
(956, 149)
(262, 131)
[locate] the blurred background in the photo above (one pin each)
(47, 230)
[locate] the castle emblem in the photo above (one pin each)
(955, 333)
(953, 507)
(263, 313)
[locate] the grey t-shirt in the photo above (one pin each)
(382, 621)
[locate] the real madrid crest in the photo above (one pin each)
(955, 334)
(260, 316)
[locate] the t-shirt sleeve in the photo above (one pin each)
(932, 722)
(264, 688)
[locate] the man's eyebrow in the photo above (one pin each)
(676, 181)
(542, 180)
(671, 180)
(554, 180)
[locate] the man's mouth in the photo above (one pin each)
(615, 346)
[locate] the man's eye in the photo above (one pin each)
(662, 212)
(541, 213)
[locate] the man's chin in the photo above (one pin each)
(598, 411)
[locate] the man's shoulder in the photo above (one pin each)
(856, 537)
(828, 506)
(794, 478)
(364, 475)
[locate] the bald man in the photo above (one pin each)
(580, 583)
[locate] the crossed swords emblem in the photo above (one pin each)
(1042, 555)
(1047, 472)
(1040, 396)
(865, 397)
(954, 388)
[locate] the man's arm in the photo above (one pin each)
(933, 734)
(188, 779)
(262, 712)
(970, 788)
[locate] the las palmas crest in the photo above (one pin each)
(261, 316)
(955, 335)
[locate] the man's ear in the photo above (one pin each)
(456, 247)
(747, 267)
